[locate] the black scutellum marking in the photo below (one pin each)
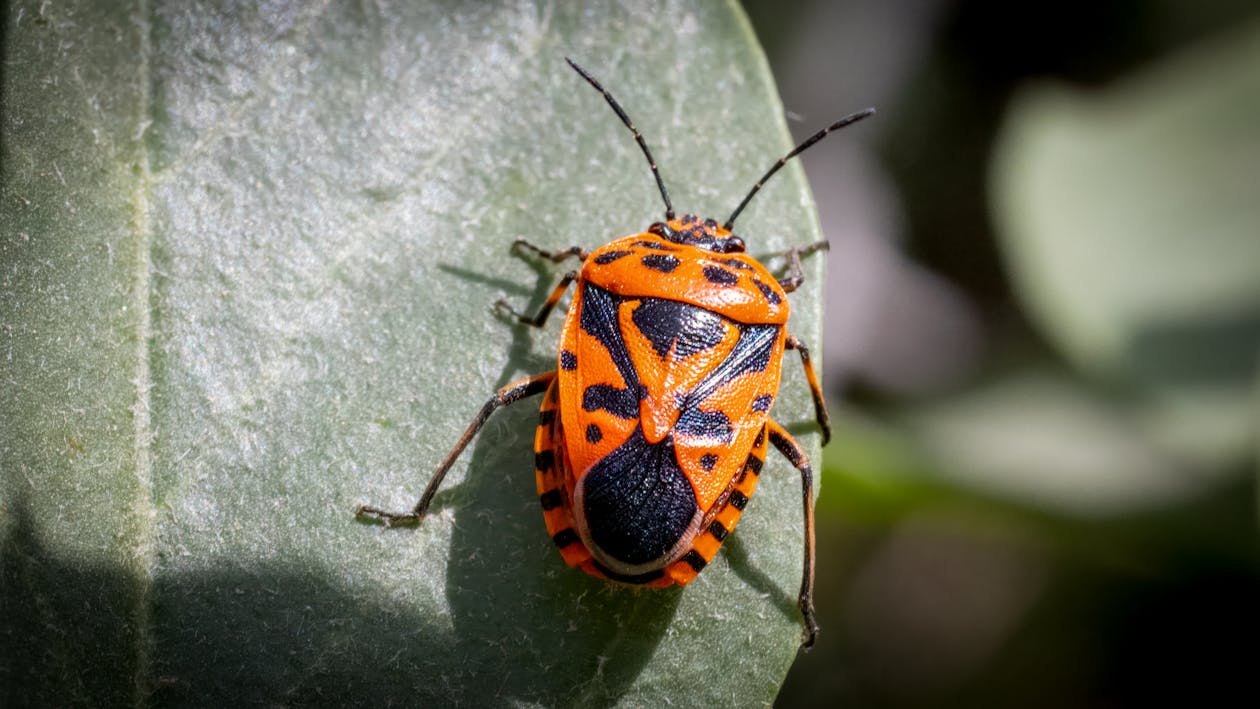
(622, 403)
(694, 560)
(637, 501)
(708, 460)
(593, 434)
(544, 460)
(767, 292)
(763, 402)
(565, 537)
(661, 262)
(718, 530)
(550, 499)
(669, 323)
(609, 257)
(568, 361)
(720, 276)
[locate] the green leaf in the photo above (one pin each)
(1130, 221)
(249, 257)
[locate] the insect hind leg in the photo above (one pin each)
(510, 394)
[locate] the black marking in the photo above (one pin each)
(545, 418)
(660, 262)
(565, 537)
(568, 361)
(636, 579)
(695, 423)
(718, 531)
(551, 499)
(544, 460)
(708, 460)
(599, 320)
(750, 354)
(637, 501)
(761, 438)
(763, 402)
(696, 561)
(621, 403)
(767, 292)
(738, 500)
(734, 263)
(610, 256)
(593, 434)
(720, 276)
(655, 245)
(753, 465)
(669, 323)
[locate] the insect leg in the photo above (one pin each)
(792, 451)
(820, 405)
(796, 275)
(510, 394)
(554, 256)
(541, 318)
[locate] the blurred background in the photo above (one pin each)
(1043, 331)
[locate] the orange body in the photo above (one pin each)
(652, 435)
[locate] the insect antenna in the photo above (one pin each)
(847, 120)
(621, 113)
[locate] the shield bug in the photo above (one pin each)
(655, 424)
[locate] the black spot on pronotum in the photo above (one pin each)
(696, 561)
(568, 361)
(738, 500)
(655, 245)
(708, 460)
(661, 262)
(593, 434)
(767, 292)
(718, 531)
(550, 499)
(720, 276)
(763, 402)
(610, 256)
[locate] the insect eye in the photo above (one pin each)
(662, 230)
(732, 244)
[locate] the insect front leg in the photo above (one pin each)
(554, 256)
(820, 405)
(510, 394)
(541, 318)
(792, 451)
(796, 274)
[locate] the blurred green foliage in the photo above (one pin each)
(1070, 521)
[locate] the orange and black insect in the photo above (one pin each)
(654, 426)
